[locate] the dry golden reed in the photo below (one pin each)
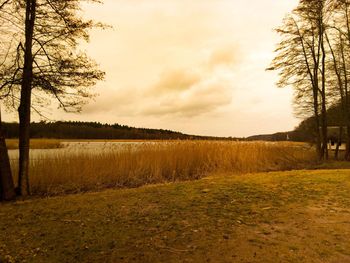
(36, 144)
(69, 171)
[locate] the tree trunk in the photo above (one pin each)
(24, 141)
(25, 101)
(317, 124)
(7, 189)
(318, 140)
(324, 149)
(323, 96)
(340, 139)
(347, 152)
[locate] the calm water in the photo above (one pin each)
(73, 148)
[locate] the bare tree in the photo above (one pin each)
(7, 190)
(48, 63)
(25, 101)
(338, 40)
(301, 62)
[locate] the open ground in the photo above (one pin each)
(295, 216)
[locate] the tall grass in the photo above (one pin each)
(36, 144)
(66, 171)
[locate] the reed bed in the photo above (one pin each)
(36, 144)
(55, 172)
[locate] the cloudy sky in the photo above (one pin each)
(193, 66)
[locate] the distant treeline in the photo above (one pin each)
(302, 133)
(96, 130)
(305, 132)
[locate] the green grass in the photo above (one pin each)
(332, 164)
(297, 216)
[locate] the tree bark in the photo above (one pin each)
(7, 189)
(323, 89)
(318, 138)
(25, 101)
(340, 139)
(347, 152)
(324, 149)
(317, 120)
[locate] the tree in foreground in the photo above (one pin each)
(7, 190)
(48, 62)
(338, 39)
(301, 62)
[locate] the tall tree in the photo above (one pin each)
(49, 63)
(301, 62)
(338, 40)
(25, 99)
(7, 190)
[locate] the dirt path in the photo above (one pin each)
(299, 216)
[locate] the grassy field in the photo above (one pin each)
(12, 144)
(297, 216)
(74, 171)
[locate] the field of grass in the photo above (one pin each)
(296, 216)
(12, 144)
(36, 144)
(69, 171)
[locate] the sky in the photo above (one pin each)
(196, 66)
